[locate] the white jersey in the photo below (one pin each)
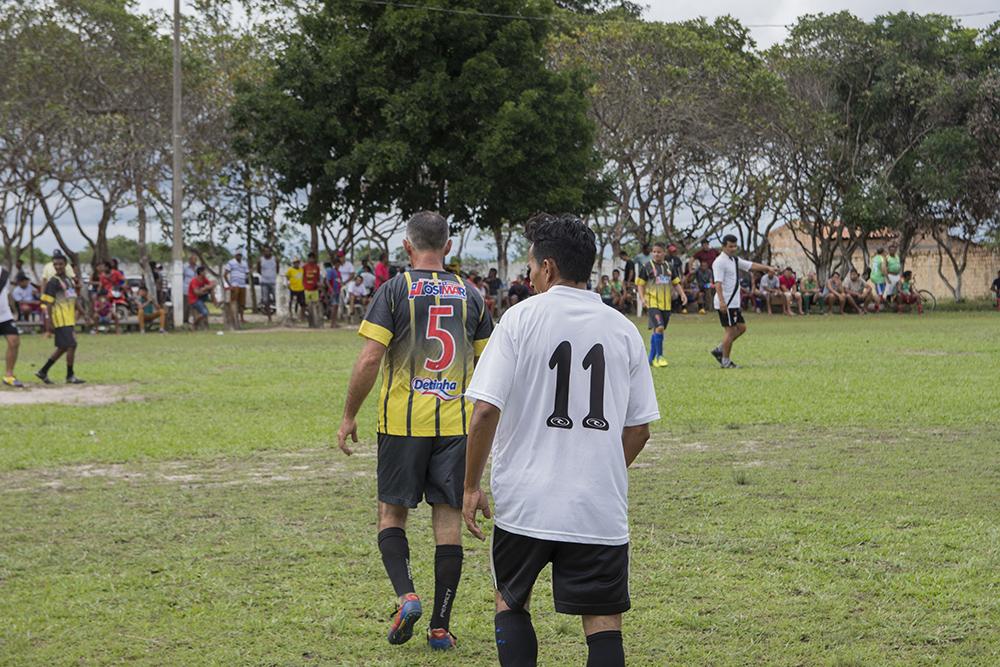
(568, 374)
(5, 312)
(726, 270)
(237, 272)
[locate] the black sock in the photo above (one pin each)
(447, 572)
(396, 558)
(606, 649)
(47, 366)
(69, 370)
(517, 645)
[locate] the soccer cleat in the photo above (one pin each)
(439, 639)
(660, 362)
(701, 311)
(717, 353)
(730, 364)
(44, 378)
(406, 615)
(12, 381)
(684, 311)
(72, 379)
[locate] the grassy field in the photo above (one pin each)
(834, 502)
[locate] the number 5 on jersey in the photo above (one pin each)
(561, 361)
(434, 331)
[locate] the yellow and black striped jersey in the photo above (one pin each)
(59, 297)
(434, 325)
(659, 281)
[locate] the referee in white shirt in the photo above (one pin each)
(564, 396)
(726, 273)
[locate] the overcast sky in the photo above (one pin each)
(756, 12)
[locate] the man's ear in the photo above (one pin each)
(549, 265)
(447, 248)
(407, 246)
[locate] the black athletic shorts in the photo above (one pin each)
(65, 338)
(587, 579)
(8, 328)
(410, 469)
(731, 317)
(658, 318)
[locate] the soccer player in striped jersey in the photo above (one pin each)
(424, 328)
(657, 284)
(59, 301)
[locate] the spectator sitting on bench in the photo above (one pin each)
(104, 313)
(747, 297)
(149, 310)
(811, 293)
(907, 294)
(856, 291)
(618, 293)
(693, 288)
(26, 298)
(790, 291)
(835, 293)
(357, 294)
(200, 291)
(769, 288)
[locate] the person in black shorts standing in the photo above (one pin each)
(425, 328)
(564, 398)
(8, 329)
(726, 271)
(59, 299)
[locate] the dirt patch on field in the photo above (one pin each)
(86, 394)
(261, 468)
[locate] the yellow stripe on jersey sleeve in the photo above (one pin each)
(639, 281)
(480, 345)
(48, 299)
(375, 332)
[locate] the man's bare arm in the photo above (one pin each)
(362, 380)
(482, 429)
(634, 438)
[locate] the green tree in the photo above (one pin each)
(375, 108)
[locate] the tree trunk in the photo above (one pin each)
(248, 249)
(147, 274)
(501, 243)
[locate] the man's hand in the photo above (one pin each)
(348, 427)
(474, 501)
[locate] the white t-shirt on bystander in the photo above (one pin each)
(568, 374)
(726, 270)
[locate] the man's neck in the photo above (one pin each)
(568, 283)
(427, 262)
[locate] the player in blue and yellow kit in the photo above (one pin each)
(657, 284)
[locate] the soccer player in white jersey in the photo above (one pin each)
(564, 396)
(726, 270)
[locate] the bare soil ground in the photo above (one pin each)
(87, 394)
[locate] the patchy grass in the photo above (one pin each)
(831, 503)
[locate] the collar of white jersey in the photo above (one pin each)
(576, 292)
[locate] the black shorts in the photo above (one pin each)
(410, 469)
(299, 297)
(65, 338)
(731, 317)
(658, 318)
(587, 579)
(8, 328)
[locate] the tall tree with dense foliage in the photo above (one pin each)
(377, 108)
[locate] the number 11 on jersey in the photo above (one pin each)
(561, 361)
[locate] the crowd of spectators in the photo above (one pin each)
(881, 286)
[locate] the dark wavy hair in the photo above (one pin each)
(567, 241)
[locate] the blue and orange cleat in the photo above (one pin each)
(406, 615)
(439, 639)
